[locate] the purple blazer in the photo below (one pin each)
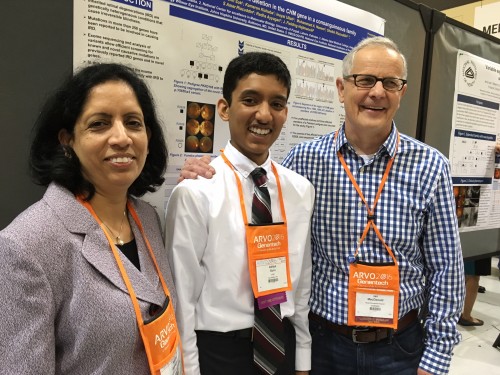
(64, 307)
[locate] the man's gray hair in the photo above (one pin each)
(375, 41)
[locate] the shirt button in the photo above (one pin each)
(360, 204)
(362, 169)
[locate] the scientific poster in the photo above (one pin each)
(181, 48)
(475, 132)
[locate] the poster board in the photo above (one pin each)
(181, 49)
(449, 40)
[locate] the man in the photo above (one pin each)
(385, 241)
(224, 265)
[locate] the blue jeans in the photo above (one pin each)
(334, 354)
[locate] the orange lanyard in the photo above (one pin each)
(159, 354)
(130, 289)
(274, 252)
(371, 212)
(240, 190)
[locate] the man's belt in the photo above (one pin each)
(365, 335)
(245, 333)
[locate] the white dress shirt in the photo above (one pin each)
(205, 240)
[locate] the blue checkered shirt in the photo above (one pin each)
(416, 216)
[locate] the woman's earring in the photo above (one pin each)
(67, 152)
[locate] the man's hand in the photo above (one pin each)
(497, 148)
(194, 167)
(301, 372)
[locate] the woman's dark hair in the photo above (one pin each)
(262, 63)
(51, 161)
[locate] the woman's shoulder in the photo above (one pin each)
(45, 226)
(32, 223)
(38, 243)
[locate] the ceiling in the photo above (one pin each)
(444, 4)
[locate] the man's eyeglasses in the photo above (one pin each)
(367, 81)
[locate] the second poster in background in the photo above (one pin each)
(475, 132)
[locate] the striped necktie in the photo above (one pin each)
(268, 331)
(261, 202)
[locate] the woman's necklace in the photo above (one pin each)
(118, 239)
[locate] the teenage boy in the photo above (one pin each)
(229, 265)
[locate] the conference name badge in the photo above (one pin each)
(162, 342)
(373, 295)
(268, 258)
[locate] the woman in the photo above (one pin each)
(70, 302)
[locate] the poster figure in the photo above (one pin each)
(467, 204)
(199, 127)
